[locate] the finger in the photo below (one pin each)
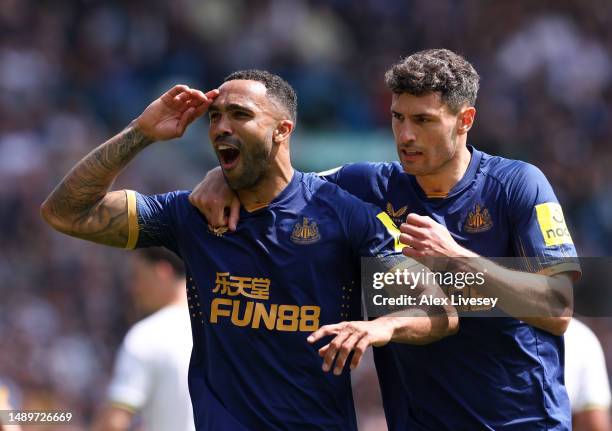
(413, 253)
(359, 350)
(176, 90)
(171, 97)
(324, 331)
(204, 103)
(186, 118)
(215, 213)
(212, 94)
(197, 198)
(418, 220)
(194, 200)
(413, 230)
(183, 98)
(323, 350)
(198, 95)
(411, 241)
(332, 350)
(234, 214)
(201, 109)
(345, 349)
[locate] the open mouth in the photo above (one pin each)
(411, 154)
(228, 156)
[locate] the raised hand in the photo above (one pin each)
(169, 115)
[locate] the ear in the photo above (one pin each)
(283, 131)
(466, 119)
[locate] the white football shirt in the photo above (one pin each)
(150, 376)
(586, 377)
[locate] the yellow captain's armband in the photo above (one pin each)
(552, 224)
(132, 219)
(392, 229)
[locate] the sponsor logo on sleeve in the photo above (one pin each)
(552, 224)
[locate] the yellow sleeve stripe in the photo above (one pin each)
(392, 229)
(132, 219)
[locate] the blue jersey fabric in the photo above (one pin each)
(255, 295)
(496, 373)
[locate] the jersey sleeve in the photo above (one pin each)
(538, 227)
(156, 219)
(355, 178)
(132, 379)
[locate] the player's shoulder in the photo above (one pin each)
(180, 198)
(328, 192)
(330, 197)
(176, 198)
(510, 173)
(384, 169)
(175, 202)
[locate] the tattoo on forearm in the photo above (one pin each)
(81, 197)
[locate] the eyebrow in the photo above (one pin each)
(425, 114)
(417, 114)
(232, 107)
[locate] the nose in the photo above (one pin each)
(221, 126)
(405, 133)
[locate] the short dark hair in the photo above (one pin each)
(436, 70)
(276, 87)
(157, 254)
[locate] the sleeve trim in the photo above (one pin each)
(132, 220)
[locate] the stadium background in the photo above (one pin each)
(73, 73)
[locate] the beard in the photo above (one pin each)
(254, 165)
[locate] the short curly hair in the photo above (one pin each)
(276, 87)
(436, 71)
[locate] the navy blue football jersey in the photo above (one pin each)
(257, 293)
(496, 373)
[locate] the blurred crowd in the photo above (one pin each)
(75, 72)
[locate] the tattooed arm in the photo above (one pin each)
(82, 206)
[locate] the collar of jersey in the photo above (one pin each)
(284, 196)
(466, 180)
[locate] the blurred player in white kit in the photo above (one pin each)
(586, 379)
(150, 375)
